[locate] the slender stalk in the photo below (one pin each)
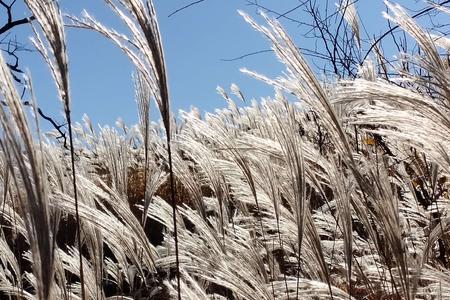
(174, 213)
(75, 196)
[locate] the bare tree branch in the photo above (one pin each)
(420, 13)
(184, 7)
(11, 47)
(280, 15)
(307, 52)
(10, 22)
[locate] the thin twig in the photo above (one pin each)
(174, 211)
(186, 6)
(422, 12)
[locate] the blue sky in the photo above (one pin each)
(195, 41)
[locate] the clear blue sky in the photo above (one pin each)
(195, 41)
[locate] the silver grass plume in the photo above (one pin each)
(431, 61)
(303, 83)
(49, 18)
(348, 10)
(143, 97)
(25, 165)
(145, 50)
(266, 152)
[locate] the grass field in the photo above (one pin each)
(328, 189)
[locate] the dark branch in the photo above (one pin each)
(280, 15)
(307, 52)
(291, 10)
(15, 23)
(186, 6)
(58, 127)
(421, 13)
(246, 55)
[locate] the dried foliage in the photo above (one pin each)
(276, 200)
